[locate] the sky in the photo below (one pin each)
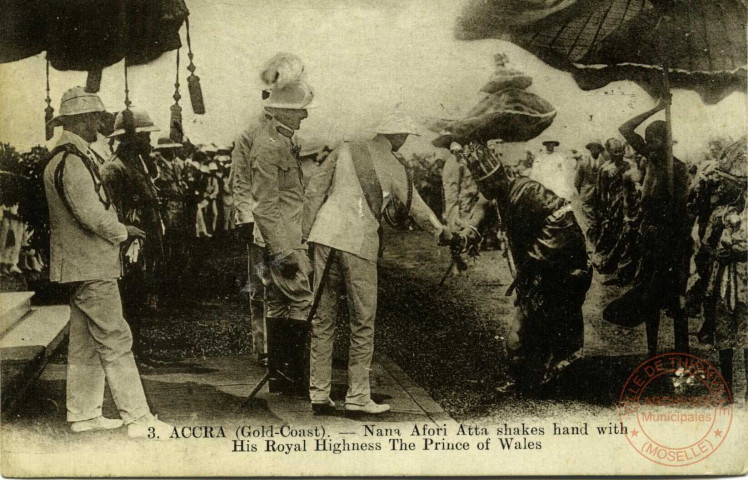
(363, 59)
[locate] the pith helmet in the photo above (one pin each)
(398, 122)
(141, 122)
(455, 147)
(296, 96)
(77, 101)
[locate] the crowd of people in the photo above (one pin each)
(677, 239)
(123, 216)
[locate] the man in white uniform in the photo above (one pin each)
(554, 170)
(355, 178)
(85, 252)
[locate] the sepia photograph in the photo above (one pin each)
(340, 238)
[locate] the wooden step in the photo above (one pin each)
(13, 307)
(42, 326)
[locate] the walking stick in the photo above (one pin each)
(449, 270)
(320, 286)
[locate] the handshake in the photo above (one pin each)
(460, 241)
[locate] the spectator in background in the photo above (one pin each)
(171, 189)
(610, 205)
(586, 182)
(554, 170)
(460, 190)
(128, 177)
(202, 180)
(227, 195)
(525, 165)
(212, 192)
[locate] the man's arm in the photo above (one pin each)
(450, 183)
(85, 204)
(266, 161)
(316, 191)
(478, 212)
(579, 174)
(421, 213)
(241, 179)
(628, 128)
(602, 187)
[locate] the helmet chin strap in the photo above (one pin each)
(284, 126)
(281, 124)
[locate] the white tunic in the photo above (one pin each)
(555, 172)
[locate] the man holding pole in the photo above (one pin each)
(665, 244)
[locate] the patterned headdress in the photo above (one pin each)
(481, 160)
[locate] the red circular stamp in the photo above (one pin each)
(676, 409)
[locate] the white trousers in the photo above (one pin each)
(100, 351)
(352, 281)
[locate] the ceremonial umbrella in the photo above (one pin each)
(601, 41)
(88, 35)
(694, 44)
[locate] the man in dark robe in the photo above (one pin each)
(553, 272)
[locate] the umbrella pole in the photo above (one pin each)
(668, 125)
(665, 58)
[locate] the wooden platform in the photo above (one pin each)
(28, 337)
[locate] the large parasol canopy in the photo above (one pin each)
(601, 41)
(88, 35)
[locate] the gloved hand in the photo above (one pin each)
(289, 266)
(133, 252)
(246, 232)
(453, 240)
(471, 239)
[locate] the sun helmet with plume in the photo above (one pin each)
(285, 85)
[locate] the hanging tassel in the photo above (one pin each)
(128, 120)
(193, 81)
(49, 112)
(93, 81)
(175, 129)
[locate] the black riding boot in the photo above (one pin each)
(285, 343)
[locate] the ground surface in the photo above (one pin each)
(448, 339)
